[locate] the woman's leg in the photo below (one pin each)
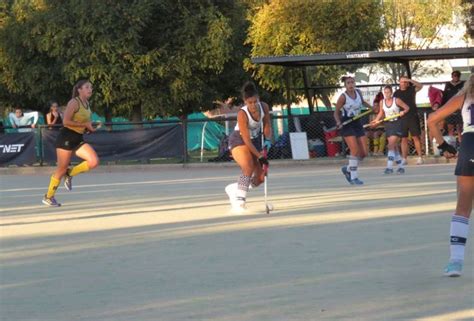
(258, 173)
(91, 160)
(392, 148)
(245, 160)
(459, 228)
(382, 140)
(398, 159)
(363, 151)
(376, 142)
(350, 171)
(64, 157)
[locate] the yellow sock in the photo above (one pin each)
(376, 145)
(382, 140)
(53, 186)
(80, 168)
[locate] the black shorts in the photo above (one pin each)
(454, 119)
(353, 129)
(236, 140)
(393, 128)
(411, 124)
(465, 164)
(69, 139)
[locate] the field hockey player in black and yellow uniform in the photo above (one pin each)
(77, 121)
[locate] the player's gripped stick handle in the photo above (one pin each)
(383, 120)
(365, 113)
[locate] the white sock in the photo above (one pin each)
(398, 160)
(390, 158)
(242, 188)
(353, 162)
(458, 232)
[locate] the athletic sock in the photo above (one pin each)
(458, 232)
(382, 140)
(353, 162)
(80, 168)
(390, 158)
(376, 145)
(398, 160)
(53, 186)
(242, 188)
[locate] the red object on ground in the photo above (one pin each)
(332, 148)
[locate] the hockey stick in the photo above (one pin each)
(383, 120)
(365, 113)
(268, 207)
(265, 182)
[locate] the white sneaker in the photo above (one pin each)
(419, 161)
(230, 190)
(239, 207)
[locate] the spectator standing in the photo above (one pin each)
(451, 88)
(411, 122)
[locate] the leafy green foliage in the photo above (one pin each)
(416, 25)
(154, 54)
(302, 27)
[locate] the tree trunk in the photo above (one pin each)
(108, 116)
(326, 101)
(137, 115)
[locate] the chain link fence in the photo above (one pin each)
(206, 139)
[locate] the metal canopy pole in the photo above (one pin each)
(288, 91)
(306, 90)
(406, 63)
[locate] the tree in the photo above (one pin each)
(48, 45)
(304, 27)
(416, 25)
(468, 8)
(137, 59)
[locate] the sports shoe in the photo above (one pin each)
(419, 161)
(239, 208)
(68, 181)
(346, 173)
(401, 170)
(230, 191)
(454, 268)
(356, 181)
(50, 201)
(388, 171)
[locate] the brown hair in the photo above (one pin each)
(249, 90)
(345, 78)
(79, 84)
(457, 73)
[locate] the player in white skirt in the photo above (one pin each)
(464, 171)
(390, 107)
